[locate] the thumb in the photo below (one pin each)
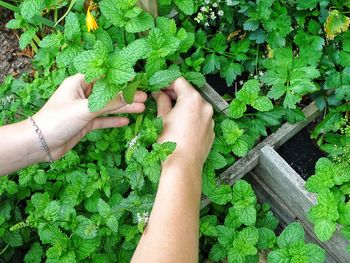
(163, 103)
(181, 87)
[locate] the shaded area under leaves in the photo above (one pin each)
(301, 152)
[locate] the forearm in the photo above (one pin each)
(172, 234)
(19, 147)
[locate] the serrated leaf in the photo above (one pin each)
(72, 27)
(262, 104)
(102, 93)
(51, 41)
(230, 71)
(293, 233)
(30, 8)
(27, 37)
(162, 79)
(195, 78)
(336, 23)
(142, 22)
(186, 6)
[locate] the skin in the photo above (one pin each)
(63, 120)
(172, 231)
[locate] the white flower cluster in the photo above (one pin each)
(142, 218)
(7, 100)
(133, 141)
(210, 11)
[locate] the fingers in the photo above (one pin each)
(118, 105)
(109, 122)
(163, 103)
(128, 108)
(181, 86)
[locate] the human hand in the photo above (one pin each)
(66, 118)
(189, 123)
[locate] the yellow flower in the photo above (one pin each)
(91, 23)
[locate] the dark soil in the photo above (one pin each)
(12, 60)
(302, 153)
(220, 86)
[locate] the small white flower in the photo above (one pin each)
(215, 5)
(142, 218)
(134, 141)
(203, 8)
(206, 24)
(229, 2)
(212, 15)
(200, 16)
(241, 82)
(255, 76)
(261, 73)
(220, 13)
(207, 2)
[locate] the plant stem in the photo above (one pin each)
(2, 251)
(9, 6)
(36, 39)
(55, 15)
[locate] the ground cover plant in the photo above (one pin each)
(93, 204)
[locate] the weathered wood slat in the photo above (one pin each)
(276, 174)
(275, 140)
(279, 209)
(214, 98)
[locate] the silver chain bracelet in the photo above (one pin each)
(41, 139)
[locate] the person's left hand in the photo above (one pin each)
(66, 118)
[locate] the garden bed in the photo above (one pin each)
(277, 183)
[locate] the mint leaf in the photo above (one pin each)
(142, 22)
(138, 49)
(244, 201)
(291, 234)
(186, 6)
(26, 38)
(121, 71)
(35, 254)
(231, 131)
(217, 252)
(262, 104)
(237, 108)
(30, 8)
(162, 79)
(52, 41)
(92, 62)
(102, 93)
(195, 78)
(72, 27)
(220, 195)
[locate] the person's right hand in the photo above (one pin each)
(189, 123)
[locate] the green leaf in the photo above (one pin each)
(195, 78)
(291, 234)
(216, 160)
(226, 235)
(336, 23)
(218, 43)
(208, 225)
(103, 208)
(186, 6)
(262, 104)
(166, 25)
(211, 63)
(138, 49)
(35, 254)
(241, 147)
(237, 108)
(52, 41)
(324, 229)
(86, 229)
(115, 11)
(121, 71)
(102, 93)
(230, 71)
(142, 22)
(220, 195)
(51, 212)
(231, 131)
(267, 238)
(278, 256)
(27, 37)
(244, 201)
(30, 8)
(72, 27)
(217, 252)
(307, 4)
(162, 79)
(249, 92)
(84, 248)
(92, 62)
